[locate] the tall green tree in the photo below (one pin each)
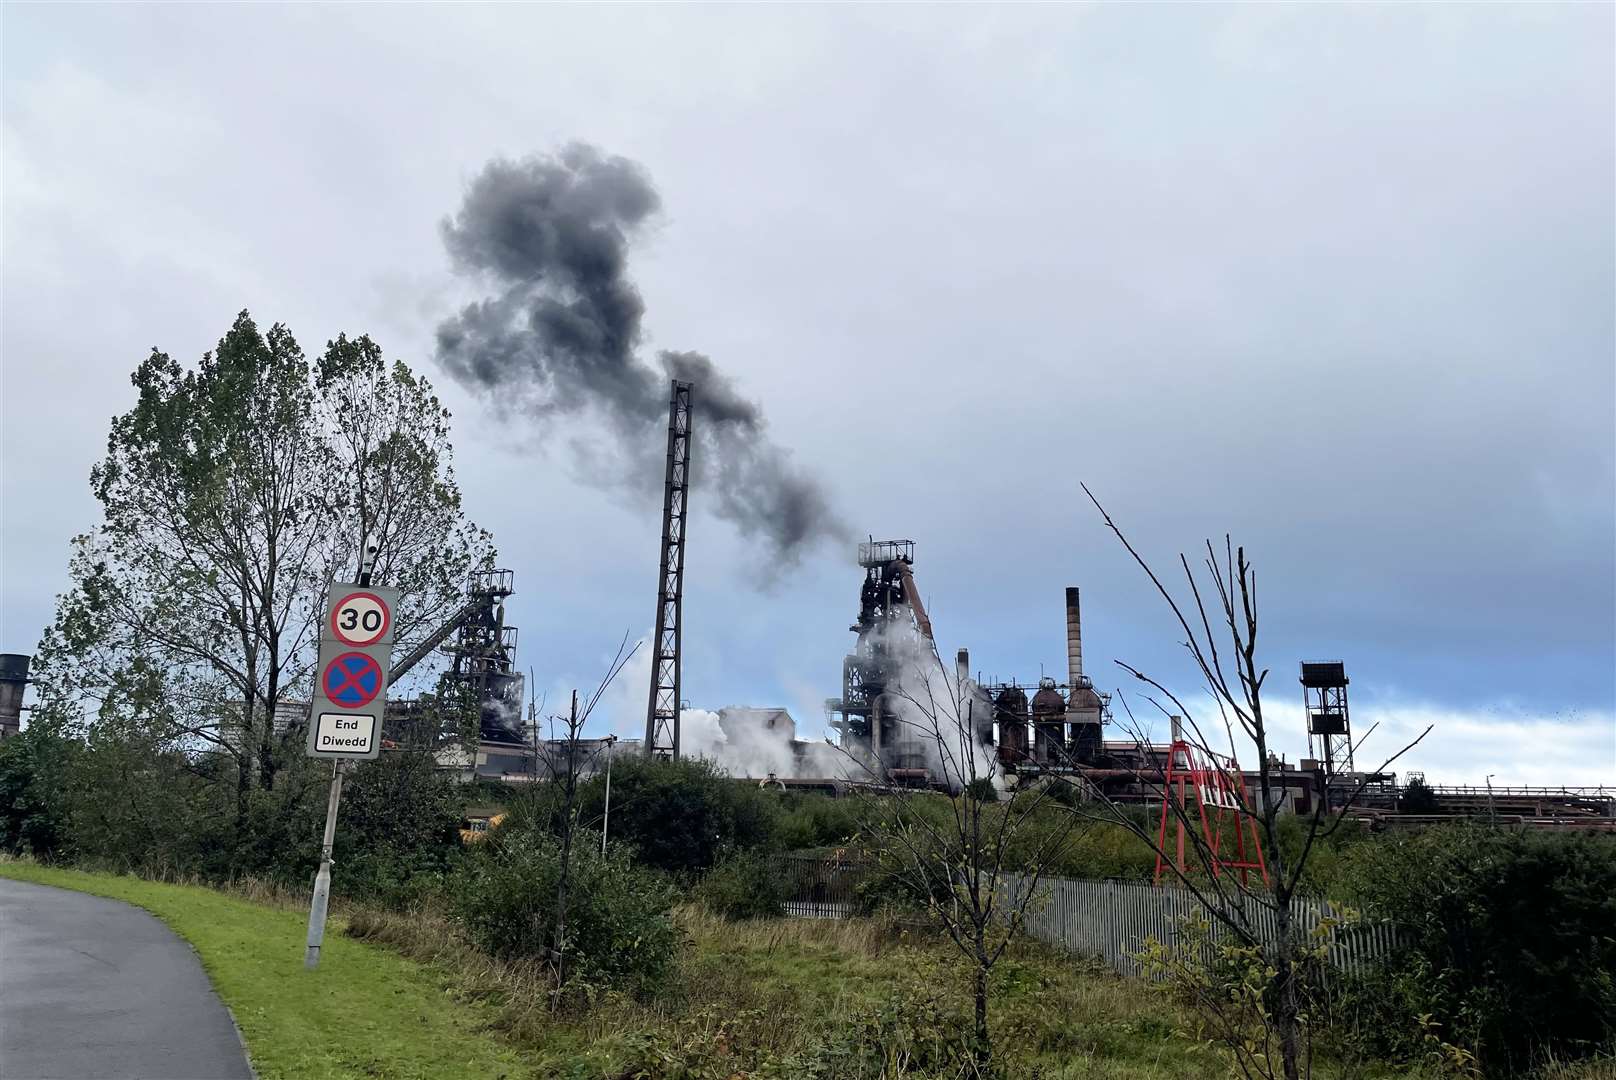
(232, 494)
(34, 770)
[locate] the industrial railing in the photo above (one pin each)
(881, 552)
(1548, 801)
(1596, 792)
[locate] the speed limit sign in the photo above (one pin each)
(360, 618)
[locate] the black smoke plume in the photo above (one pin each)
(560, 335)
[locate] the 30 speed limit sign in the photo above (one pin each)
(360, 618)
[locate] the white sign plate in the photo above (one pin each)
(345, 733)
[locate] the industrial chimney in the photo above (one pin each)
(1074, 638)
(1085, 710)
(13, 683)
(962, 665)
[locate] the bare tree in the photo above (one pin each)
(1219, 624)
(974, 861)
(563, 762)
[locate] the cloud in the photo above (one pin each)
(1516, 745)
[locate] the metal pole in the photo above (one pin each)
(606, 815)
(322, 880)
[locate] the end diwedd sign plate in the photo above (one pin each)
(345, 734)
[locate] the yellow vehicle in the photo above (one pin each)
(478, 821)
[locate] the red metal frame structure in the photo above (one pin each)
(1220, 794)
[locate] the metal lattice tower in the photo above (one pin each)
(1329, 726)
(662, 712)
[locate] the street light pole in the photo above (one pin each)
(606, 815)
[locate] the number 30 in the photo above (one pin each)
(350, 618)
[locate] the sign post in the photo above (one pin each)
(349, 702)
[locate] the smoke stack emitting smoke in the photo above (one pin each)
(560, 336)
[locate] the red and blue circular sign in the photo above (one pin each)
(352, 680)
(360, 618)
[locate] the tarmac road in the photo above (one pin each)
(93, 989)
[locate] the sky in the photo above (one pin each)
(1335, 280)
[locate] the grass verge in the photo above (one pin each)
(367, 1012)
(788, 999)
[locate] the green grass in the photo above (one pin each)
(779, 999)
(365, 1012)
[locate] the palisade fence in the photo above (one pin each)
(822, 887)
(1112, 919)
(1108, 919)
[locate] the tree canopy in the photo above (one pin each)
(232, 493)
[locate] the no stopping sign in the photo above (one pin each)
(352, 680)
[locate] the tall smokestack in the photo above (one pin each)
(962, 665)
(1074, 637)
(13, 684)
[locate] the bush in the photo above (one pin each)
(34, 766)
(982, 790)
(744, 886)
(399, 829)
(1418, 798)
(680, 816)
(1513, 953)
(807, 821)
(619, 930)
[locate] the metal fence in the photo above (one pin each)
(821, 887)
(1112, 919)
(1108, 919)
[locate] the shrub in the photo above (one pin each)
(744, 886)
(1513, 950)
(982, 790)
(680, 816)
(1418, 798)
(399, 832)
(34, 769)
(619, 930)
(809, 821)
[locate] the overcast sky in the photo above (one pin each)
(1338, 280)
